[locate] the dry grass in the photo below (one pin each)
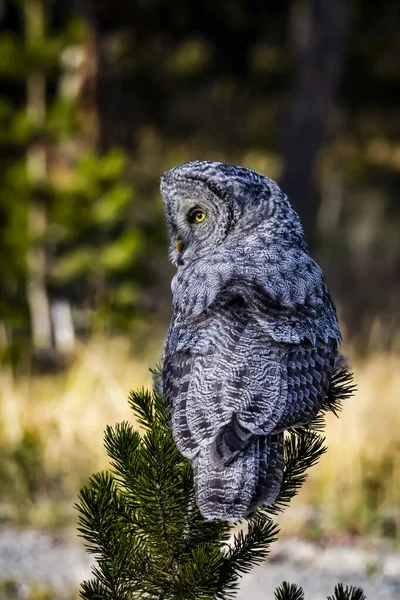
(52, 427)
(52, 439)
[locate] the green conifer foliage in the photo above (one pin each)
(141, 521)
(66, 227)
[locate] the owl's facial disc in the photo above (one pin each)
(198, 220)
(195, 216)
(192, 229)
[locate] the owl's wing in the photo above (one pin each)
(231, 374)
(230, 369)
(238, 377)
(306, 372)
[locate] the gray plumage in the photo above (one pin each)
(253, 336)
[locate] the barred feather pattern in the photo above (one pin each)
(253, 337)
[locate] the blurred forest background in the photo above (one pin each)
(97, 99)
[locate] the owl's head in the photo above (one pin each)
(205, 202)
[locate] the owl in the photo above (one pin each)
(253, 337)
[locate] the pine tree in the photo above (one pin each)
(66, 230)
(141, 521)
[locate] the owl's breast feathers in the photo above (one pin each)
(250, 352)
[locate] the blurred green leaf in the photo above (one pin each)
(119, 254)
(108, 207)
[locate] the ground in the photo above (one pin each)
(58, 563)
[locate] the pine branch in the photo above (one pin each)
(245, 552)
(121, 443)
(96, 507)
(198, 573)
(250, 549)
(347, 593)
(149, 407)
(341, 388)
(122, 559)
(289, 591)
(142, 404)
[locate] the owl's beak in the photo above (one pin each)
(178, 245)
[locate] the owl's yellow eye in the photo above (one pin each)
(196, 216)
(199, 217)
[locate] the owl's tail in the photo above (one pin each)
(234, 490)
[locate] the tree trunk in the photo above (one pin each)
(316, 82)
(36, 161)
